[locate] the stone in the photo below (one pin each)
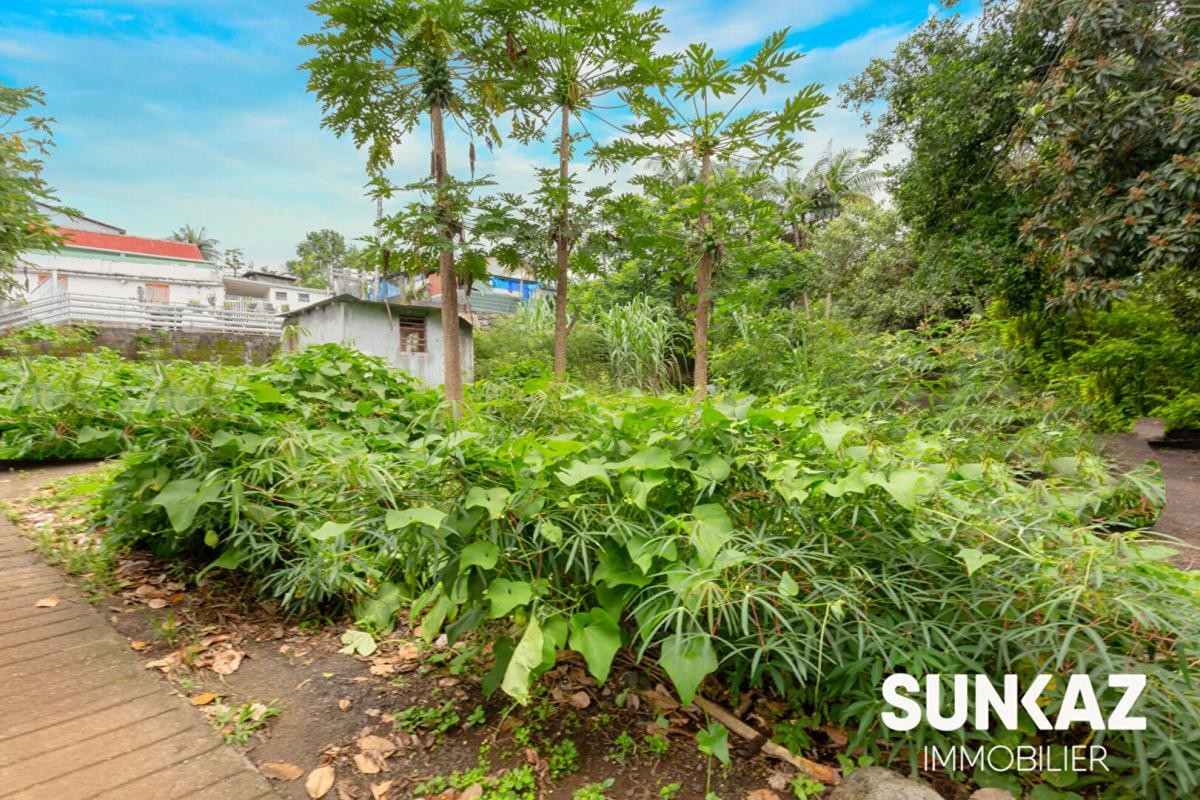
(991, 794)
(877, 783)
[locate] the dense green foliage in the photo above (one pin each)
(928, 516)
(25, 139)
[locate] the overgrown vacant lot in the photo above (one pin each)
(566, 570)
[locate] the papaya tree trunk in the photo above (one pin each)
(449, 276)
(562, 251)
(703, 283)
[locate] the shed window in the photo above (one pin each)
(281, 296)
(303, 297)
(412, 334)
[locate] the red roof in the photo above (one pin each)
(132, 244)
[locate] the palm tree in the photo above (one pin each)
(836, 181)
(842, 179)
(199, 237)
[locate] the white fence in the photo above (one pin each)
(67, 308)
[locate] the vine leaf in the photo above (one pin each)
(688, 660)
(479, 554)
(711, 531)
(182, 500)
(714, 741)
(596, 636)
(423, 515)
(975, 559)
(330, 530)
(357, 642)
(579, 471)
(525, 659)
(494, 499)
(505, 595)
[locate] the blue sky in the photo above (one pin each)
(194, 110)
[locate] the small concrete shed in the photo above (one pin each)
(408, 336)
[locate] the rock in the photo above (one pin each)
(992, 794)
(877, 783)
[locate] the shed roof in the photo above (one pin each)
(425, 310)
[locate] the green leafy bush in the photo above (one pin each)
(932, 519)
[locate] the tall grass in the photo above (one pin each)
(643, 340)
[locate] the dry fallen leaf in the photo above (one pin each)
(320, 781)
(472, 792)
(226, 662)
(47, 602)
(344, 703)
(139, 644)
(408, 651)
(376, 744)
(762, 794)
(156, 603)
(661, 699)
(379, 790)
(166, 662)
(381, 670)
(204, 699)
(779, 780)
(370, 762)
(280, 770)
(580, 700)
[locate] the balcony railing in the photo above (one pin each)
(64, 308)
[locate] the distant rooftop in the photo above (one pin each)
(79, 223)
(119, 243)
(259, 274)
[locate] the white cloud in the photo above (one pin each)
(729, 26)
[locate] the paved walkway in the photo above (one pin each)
(80, 717)
(1181, 474)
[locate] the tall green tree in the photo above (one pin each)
(696, 116)
(381, 69)
(949, 96)
(207, 245)
(1107, 146)
(25, 140)
(573, 57)
(322, 253)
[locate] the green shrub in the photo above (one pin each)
(926, 517)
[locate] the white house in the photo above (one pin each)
(102, 275)
(260, 289)
(408, 336)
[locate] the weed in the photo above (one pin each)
(476, 717)
(166, 628)
(563, 758)
(669, 791)
(624, 748)
(239, 723)
(593, 791)
(435, 720)
(656, 745)
(805, 788)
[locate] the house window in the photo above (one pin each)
(158, 293)
(412, 334)
(302, 297)
(281, 296)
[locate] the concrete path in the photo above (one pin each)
(80, 717)
(1181, 474)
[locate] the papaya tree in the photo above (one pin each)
(381, 69)
(570, 60)
(693, 119)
